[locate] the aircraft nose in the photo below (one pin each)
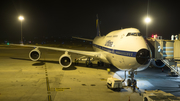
(143, 56)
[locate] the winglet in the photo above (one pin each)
(97, 26)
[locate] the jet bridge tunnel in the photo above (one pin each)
(168, 51)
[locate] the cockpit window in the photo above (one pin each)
(133, 34)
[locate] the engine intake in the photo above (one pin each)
(143, 56)
(65, 60)
(35, 54)
(158, 63)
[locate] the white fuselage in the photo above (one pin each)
(120, 48)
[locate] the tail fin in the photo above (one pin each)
(97, 26)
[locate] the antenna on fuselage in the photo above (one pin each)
(97, 26)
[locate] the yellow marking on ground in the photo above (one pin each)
(66, 88)
(49, 98)
(61, 89)
(103, 79)
(47, 83)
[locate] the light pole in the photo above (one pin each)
(147, 20)
(21, 18)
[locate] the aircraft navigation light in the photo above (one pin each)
(152, 36)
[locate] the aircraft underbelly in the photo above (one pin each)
(124, 62)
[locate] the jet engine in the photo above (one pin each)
(35, 54)
(65, 60)
(158, 63)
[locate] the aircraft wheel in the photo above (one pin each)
(128, 82)
(102, 63)
(145, 99)
(98, 63)
(76, 61)
(108, 87)
(90, 64)
(87, 64)
(118, 89)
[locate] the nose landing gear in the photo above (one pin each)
(131, 76)
(132, 82)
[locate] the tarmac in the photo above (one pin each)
(45, 80)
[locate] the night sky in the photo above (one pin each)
(66, 18)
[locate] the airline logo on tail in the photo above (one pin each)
(97, 26)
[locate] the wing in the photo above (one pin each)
(82, 38)
(86, 53)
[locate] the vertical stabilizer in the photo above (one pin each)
(97, 26)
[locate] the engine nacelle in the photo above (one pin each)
(65, 60)
(35, 54)
(158, 63)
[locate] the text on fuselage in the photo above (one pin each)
(109, 43)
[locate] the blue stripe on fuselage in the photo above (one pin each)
(118, 52)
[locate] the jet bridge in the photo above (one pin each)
(168, 51)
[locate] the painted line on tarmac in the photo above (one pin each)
(49, 98)
(59, 89)
(47, 84)
(103, 79)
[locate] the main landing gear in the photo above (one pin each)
(100, 63)
(88, 62)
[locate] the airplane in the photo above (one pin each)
(126, 49)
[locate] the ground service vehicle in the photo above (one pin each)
(158, 95)
(114, 83)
